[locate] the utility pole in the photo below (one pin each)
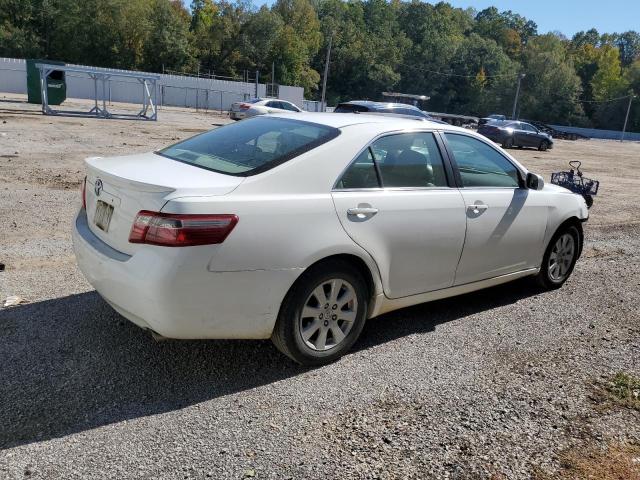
(515, 100)
(326, 74)
(626, 118)
(257, 78)
(273, 77)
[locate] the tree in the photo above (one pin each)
(628, 44)
(608, 81)
(551, 88)
(298, 41)
(167, 45)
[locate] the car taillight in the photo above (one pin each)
(180, 230)
(84, 193)
(245, 106)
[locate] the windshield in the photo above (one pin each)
(250, 146)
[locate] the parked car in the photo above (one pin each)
(491, 118)
(299, 229)
(260, 106)
(362, 106)
(516, 134)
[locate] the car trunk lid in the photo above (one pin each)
(117, 188)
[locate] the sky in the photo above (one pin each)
(566, 16)
(569, 16)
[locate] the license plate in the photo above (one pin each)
(102, 218)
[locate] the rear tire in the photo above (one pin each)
(559, 258)
(323, 314)
(543, 146)
(508, 143)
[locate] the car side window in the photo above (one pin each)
(528, 128)
(288, 106)
(273, 104)
(401, 160)
(481, 165)
(409, 160)
(361, 173)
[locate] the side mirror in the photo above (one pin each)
(534, 181)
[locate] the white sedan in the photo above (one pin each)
(260, 106)
(299, 231)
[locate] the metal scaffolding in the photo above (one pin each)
(148, 83)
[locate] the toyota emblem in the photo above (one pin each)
(97, 187)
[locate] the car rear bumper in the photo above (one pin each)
(171, 291)
(237, 115)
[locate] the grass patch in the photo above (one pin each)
(622, 389)
(616, 462)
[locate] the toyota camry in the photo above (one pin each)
(301, 230)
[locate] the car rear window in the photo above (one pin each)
(250, 146)
(350, 108)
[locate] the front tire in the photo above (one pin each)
(323, 314)
(543, 146)
(560, 258)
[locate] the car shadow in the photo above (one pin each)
(72, 364)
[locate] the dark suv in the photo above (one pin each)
(380, 107)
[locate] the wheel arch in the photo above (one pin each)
(575, 222)
(366, 267)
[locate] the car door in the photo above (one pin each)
(398, 203)
(532, 139)
(505, 221)
(519, 135)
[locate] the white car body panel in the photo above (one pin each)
(291, 217)
(511, 229)
(416, 237)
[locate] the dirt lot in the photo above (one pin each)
(504, 383)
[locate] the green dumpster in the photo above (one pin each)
(56, 83)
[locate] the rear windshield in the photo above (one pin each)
(250, 146)
(350, 108)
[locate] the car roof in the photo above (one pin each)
(341, 120)
(372, 104)
(382, 123)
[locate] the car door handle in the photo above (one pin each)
(362, 211)
(480, 207)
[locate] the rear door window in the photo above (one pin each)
(407, 160)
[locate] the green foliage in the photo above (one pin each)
(621, 389)
(466, 61)
(551, 87)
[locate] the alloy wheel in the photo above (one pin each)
(561, 257)
(328, 314)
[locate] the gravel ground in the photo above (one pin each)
(494, 384)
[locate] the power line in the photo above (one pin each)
(605, 101)
(448, 74)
